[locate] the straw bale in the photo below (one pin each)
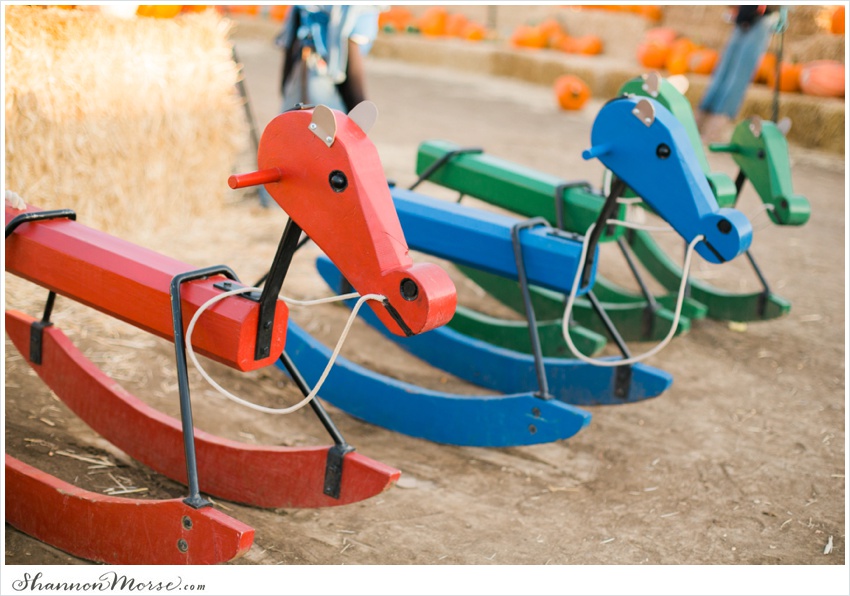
(823, 46)
(134, 123)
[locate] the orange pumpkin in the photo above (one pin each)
(571, 92)
(652, 54)
(683, 45)
(278, 12)
(552, 30)
(677, 59)
(455, 23)
(395, 18)
(528, 36)
(557, 40)
(766, 66)
(651, 12)
(589, 45)
(661, 35)
(677, 62)
(474, 31)
(433, 21)
(159, 11)
(789, 77)
(824, 78)
(837, 25)
(702, 61)
(249, 9)
(565, 44)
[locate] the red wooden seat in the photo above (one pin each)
(132, 283)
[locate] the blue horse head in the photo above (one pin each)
(644, 145)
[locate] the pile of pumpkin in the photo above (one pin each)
(550, 34)
(436, 21)
(652, 12)
(276, 12)
(663, 49)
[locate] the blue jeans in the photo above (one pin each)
(739, 62)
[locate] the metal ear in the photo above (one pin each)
(784, 125)
(755, 126)
(323, 124)
(364, 114)
(652, 83)
(680, 83)
(645, 112)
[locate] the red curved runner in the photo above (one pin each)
(119, 531)
(263, 476)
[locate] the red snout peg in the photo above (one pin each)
(255, 178)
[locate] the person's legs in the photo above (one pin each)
(752, 45)
(722, 74)
(353, 88)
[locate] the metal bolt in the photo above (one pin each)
(182, 545)
(187, 522)
(532, 429)
(662, 151)
(329, 140)
(409, 289)
(312, 126)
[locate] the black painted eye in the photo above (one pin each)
(338, 181)
(662, 151)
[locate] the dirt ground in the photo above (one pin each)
(741, 461)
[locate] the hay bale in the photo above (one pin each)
(134, 123)
(823, 46)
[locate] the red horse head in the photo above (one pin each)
(322, 169)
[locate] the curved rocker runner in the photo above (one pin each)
(248, 332)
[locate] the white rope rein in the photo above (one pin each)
(291, 301)
(679, 301)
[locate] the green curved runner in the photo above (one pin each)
(722, 305)
(514, 335)
(632, 320)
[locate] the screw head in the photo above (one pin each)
(663, 151)
(182, 545)
(724, 226)
(187, 522)
(313, 126)
(532, 429)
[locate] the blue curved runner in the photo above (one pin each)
(570, 381)
(470, 420)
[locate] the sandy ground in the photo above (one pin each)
(742, 461)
